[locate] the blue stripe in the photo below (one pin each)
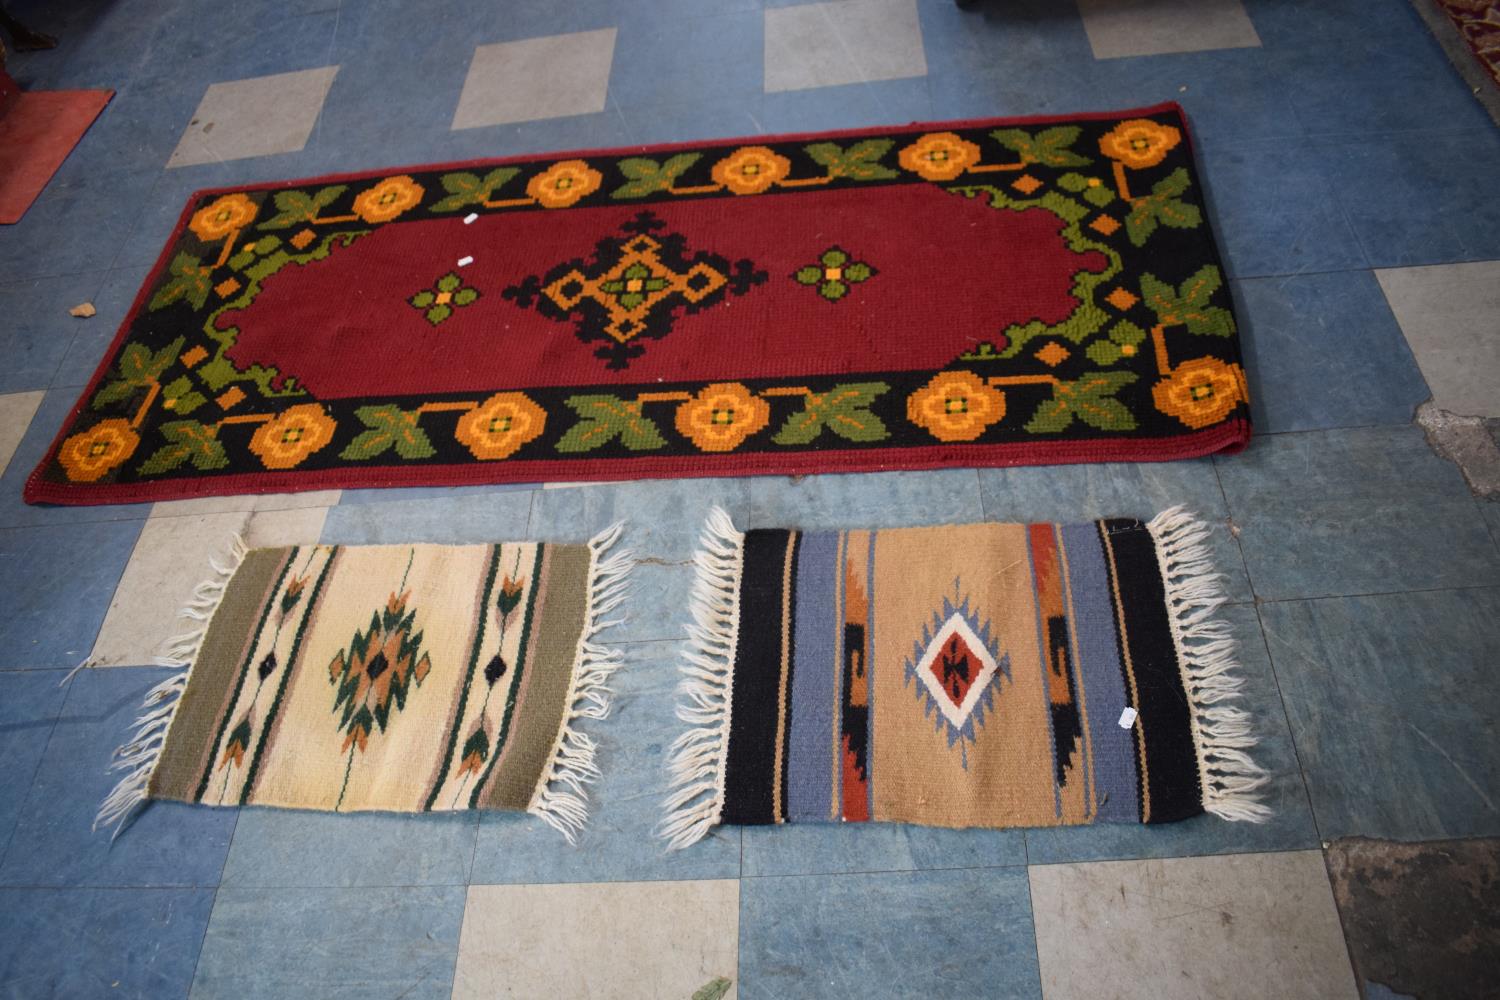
(1101, 677)
(809, 791)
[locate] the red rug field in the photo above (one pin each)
(966, 293)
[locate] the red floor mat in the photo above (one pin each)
(37, 132)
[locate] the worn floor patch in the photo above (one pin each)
(1471, 443)
(1422, 920)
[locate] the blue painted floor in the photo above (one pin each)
(1335, 140)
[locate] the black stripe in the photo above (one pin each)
(1171, 762)
(750, 770)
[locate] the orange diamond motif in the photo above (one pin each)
(193, 355)
(1026, 184)
(1053, 354)
(1121, 299)
(1104, 224)
(229, 397)
(227, 287)
(302, 239)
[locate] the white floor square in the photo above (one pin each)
(536, 78)
(255, 117)
(844, 41)
(1119, 28)
(1450, 314)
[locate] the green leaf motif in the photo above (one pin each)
(465, 189)
(187, 279)
(1190, 304)
(844, 410)
(605, 419)
(1048, 147)
(389, 427)
(860, 161)
(296, 207)
(1089, 399)
(137, 368)
(189, 441)
(650, 176)
(1162, 207)
(263, 247)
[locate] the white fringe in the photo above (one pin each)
(572, 763)
(697, 757)
(139, 757)
(1222, 733)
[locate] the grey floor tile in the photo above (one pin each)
(1146, 28)
(842, 41)
(838, 848)
(254, 117)
(134, 944)
(62, 579)
(29, 703)
(664, 517)
(865, 500)
(307, 849)
(463, 520)
(1137, 489)
(711, 57)
(167, 844)
(334, 943)
(92, 337)
(535, 78)
(1245, 926)
(16, 411)
(1297, 330)
(645, 939)
(1291, 824)
(1393, 710)
(1306, 232)
(625, 808)
(37, 330)
(77, 225)
(1358, 511)
(854, 105)
(861, 936)
(1450, 314)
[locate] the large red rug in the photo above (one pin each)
(967, 293)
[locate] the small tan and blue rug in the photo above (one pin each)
(984, 675)
(409, 678)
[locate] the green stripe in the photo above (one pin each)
(463, 697)
(510, 702)
(239, 683)
(286, 675)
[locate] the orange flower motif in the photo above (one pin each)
(500, 425)
(292, 435)
(1202, 391)
(88, 455)
(224, 216)
(1139, 142)
(751, 169)
(562, 184)
(721, 416)
(388, 199)
(955, 406)
(939, 156)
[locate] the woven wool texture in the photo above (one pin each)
(409, 678)
(970, 293)
(960, 676)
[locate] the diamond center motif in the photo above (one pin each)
(956, 667)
